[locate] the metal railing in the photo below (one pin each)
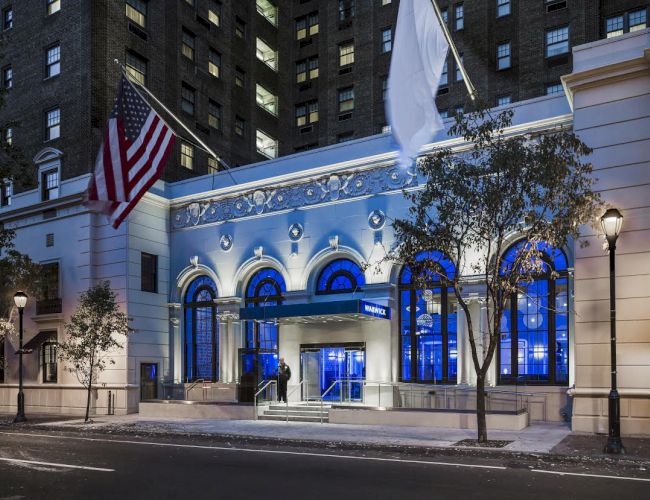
(192, 386)
(263, 390)
(421, 396)
(48, 306)
(293, 390)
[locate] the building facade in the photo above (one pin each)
(222, 279)
(260, 79)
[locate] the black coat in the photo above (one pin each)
(284, 373)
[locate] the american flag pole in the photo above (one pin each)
(199, 143)
(136, 145)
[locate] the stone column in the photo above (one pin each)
(175, 343)
(228, 316)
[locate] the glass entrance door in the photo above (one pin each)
(323, 366)
(310, 360)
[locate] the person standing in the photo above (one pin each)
(284, 374)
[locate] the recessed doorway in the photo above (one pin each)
(334, 372)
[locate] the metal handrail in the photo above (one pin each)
(270, 382)
(289, 394)
(194, 384)
(322, 397)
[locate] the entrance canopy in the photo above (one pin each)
(317, 312)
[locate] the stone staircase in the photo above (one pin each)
(298, 412)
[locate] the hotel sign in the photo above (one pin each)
(375, 310)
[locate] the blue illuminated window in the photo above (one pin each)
(340, 276)
(428, 320)
(265, 288)
(201, 335)
(534, 346)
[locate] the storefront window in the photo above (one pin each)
(534, 345)
(201, 335)
(428, 321)
(340, 276)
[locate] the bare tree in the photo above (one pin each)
(90, 335)
(535, 186)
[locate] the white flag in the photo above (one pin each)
(418, 58)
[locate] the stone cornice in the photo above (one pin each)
(339, 186)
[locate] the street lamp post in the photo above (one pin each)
(611, 222)
(20, 299)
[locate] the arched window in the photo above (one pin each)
(340, 276)
(265, 288)
(428, 322)
(201, 335)
(534, 346)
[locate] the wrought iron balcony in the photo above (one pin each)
(48, 306)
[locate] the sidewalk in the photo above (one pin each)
(540, 439)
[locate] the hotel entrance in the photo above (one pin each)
(322, 365)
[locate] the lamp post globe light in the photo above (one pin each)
(20, 299)
(611, 222)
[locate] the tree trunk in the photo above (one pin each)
(90, 386)
(481, 424)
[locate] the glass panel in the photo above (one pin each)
(204, 339)
(429, 260)
(429, 332)
(561, 332)
(355, 361)
(452, 340)
(532, 325)
(405, 313)
(332, 362)
(341, 275)
(189, 347)
(311, 374)
(268, 335)
(505, 368)
(268, 362)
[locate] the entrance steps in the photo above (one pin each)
(298, 412)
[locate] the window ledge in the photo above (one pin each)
(50, 78)
(48, 318)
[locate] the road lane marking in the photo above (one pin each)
(560, 473)
(254, 450)
(52, 464)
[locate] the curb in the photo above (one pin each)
(384, 448)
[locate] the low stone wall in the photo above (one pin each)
(195, 409)
(591, 412)
(543, 403)
(69, 400)
(211, 391)
(426, 418)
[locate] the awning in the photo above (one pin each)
(37, 340)
(317, 312)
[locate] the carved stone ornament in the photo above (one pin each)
(328, 188)
(225, 242)
(376, 220)
(296, 232)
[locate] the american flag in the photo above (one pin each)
(136, 145)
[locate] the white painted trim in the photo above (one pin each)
(187, 275)
(316, 264)
(249, 267)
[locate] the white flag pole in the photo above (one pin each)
(468, 83)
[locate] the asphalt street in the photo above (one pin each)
(54, 465)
